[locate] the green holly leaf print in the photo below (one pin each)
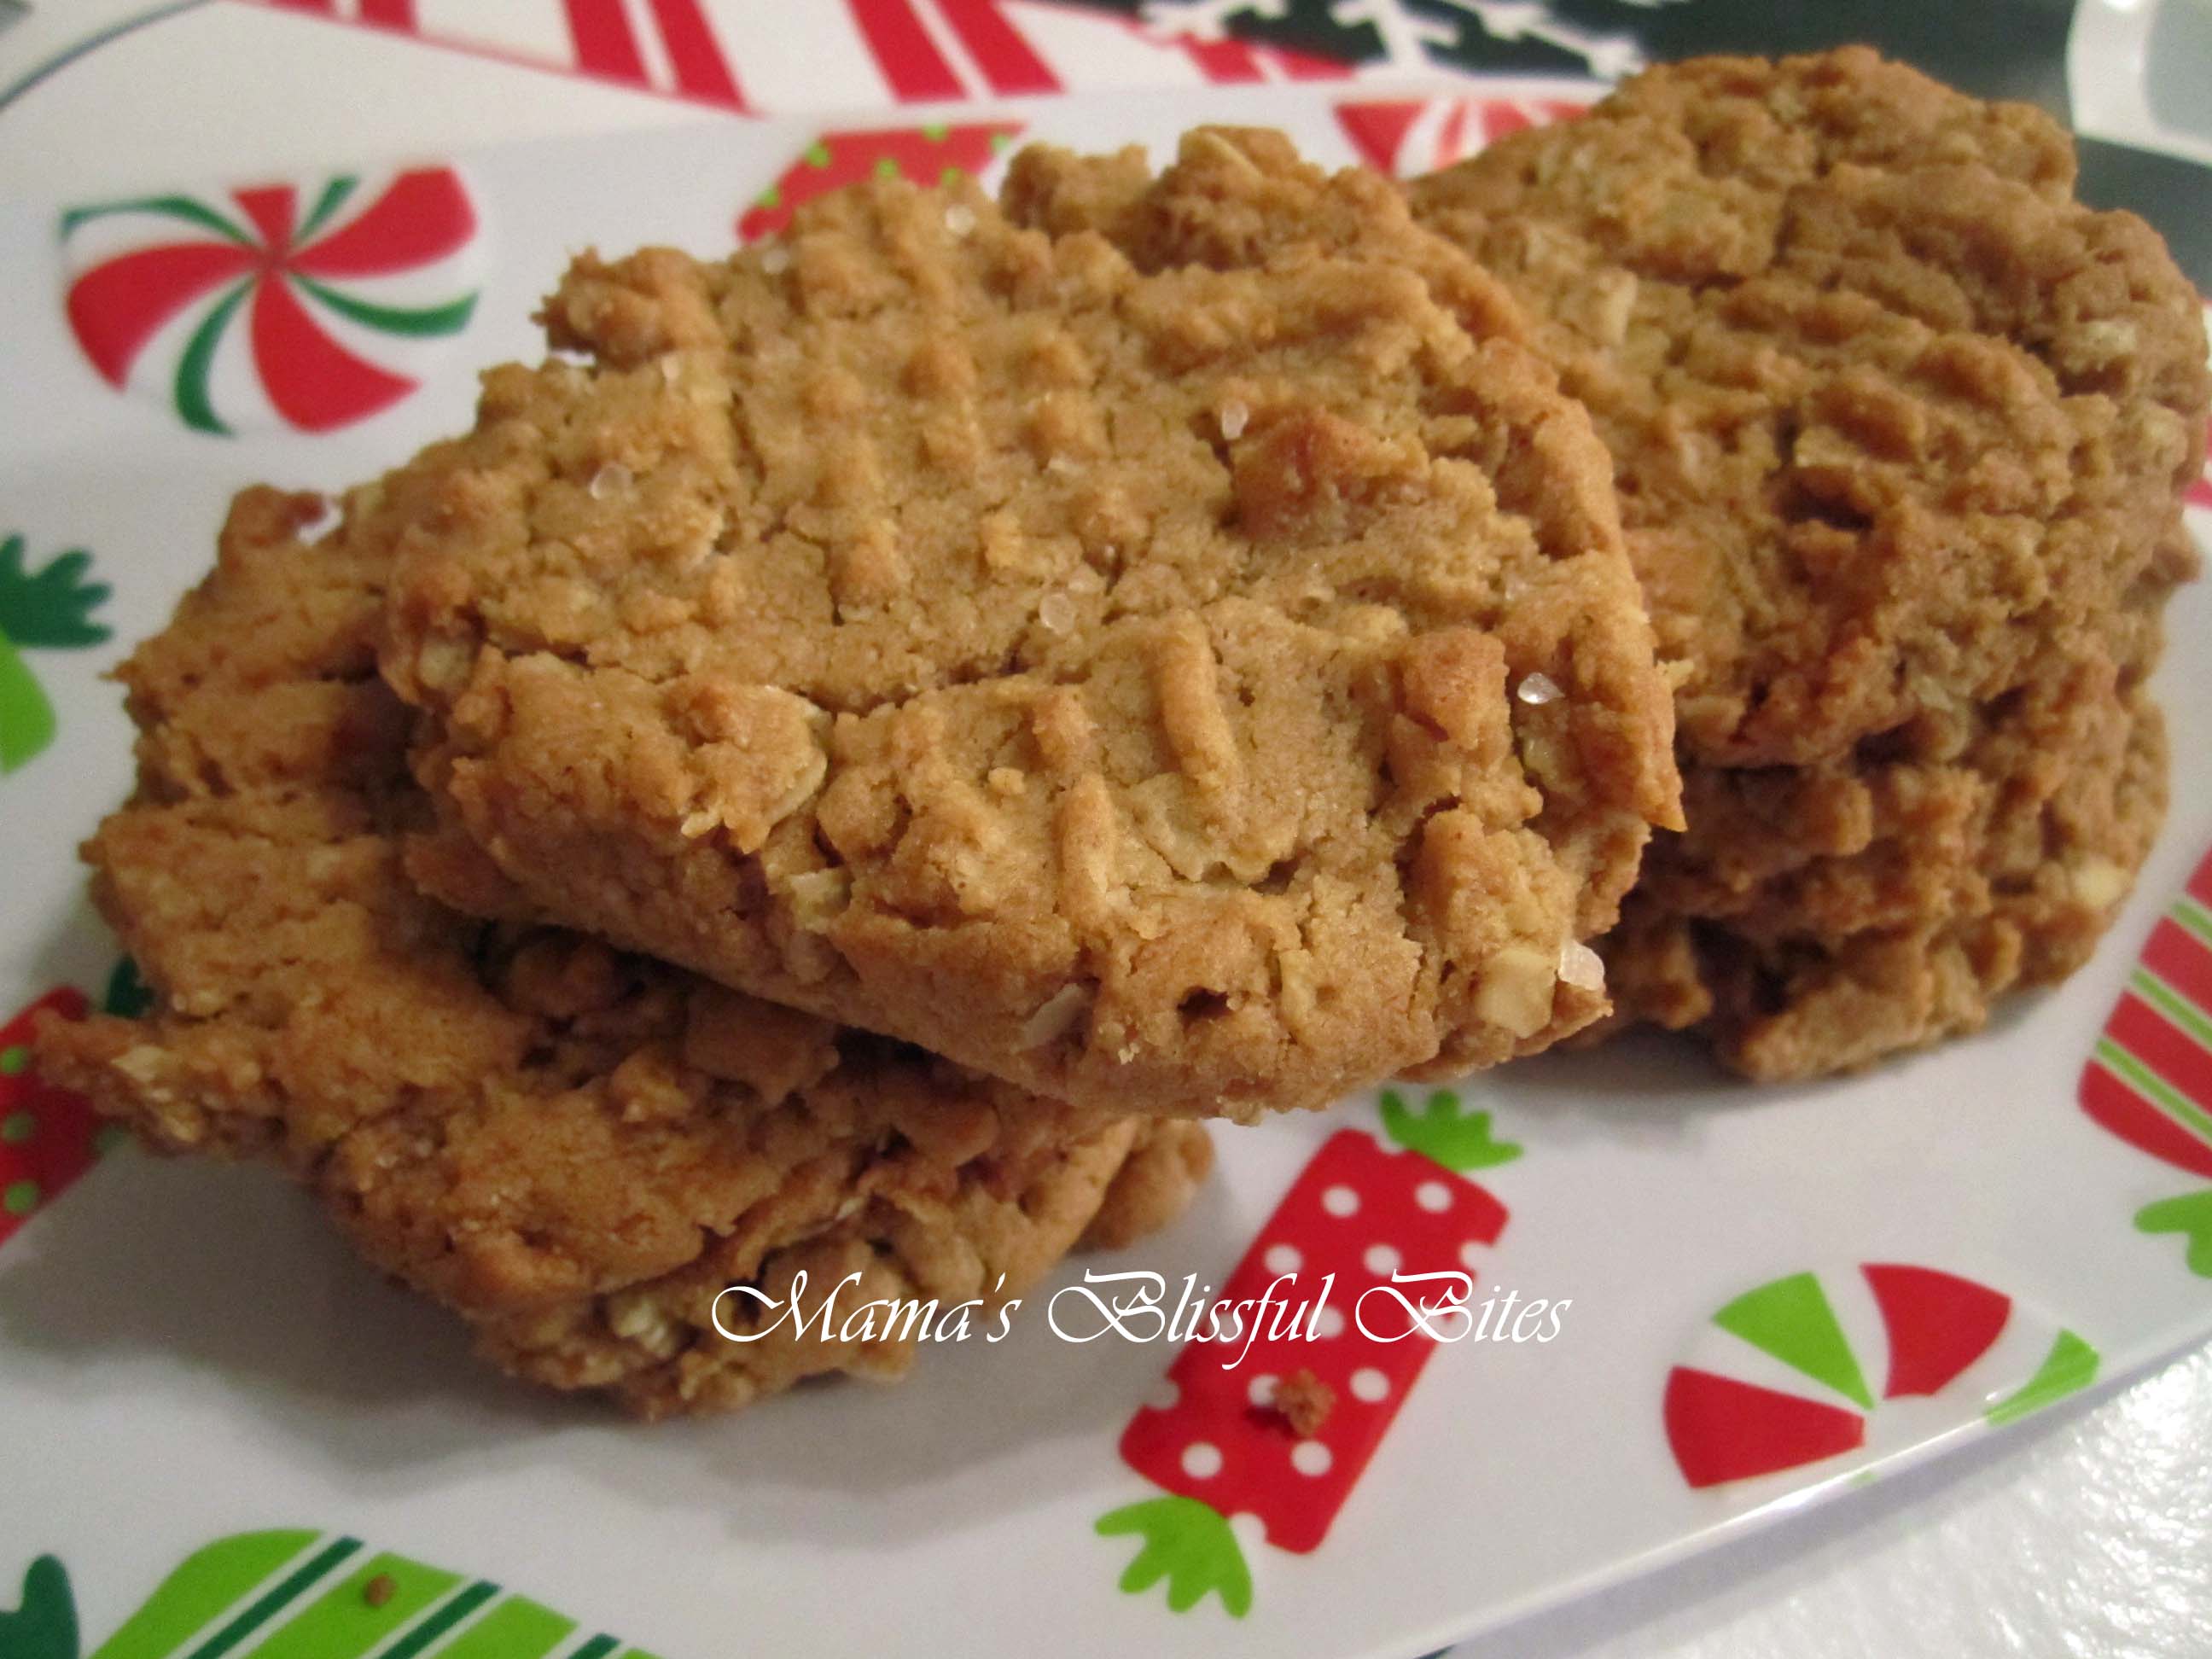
(1190, 1545)
(127, 996)
(26, 718)
(2190, 1215)
(52, 607)
(1445, 1132)
(45, 1626)
(46, 609)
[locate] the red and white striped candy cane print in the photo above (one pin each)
(2149, 1080)
(1406, 137)
(752, 58)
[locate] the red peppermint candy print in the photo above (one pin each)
(321, 300)
(1408, 136)
(1351, 1282)
(1795, 1371)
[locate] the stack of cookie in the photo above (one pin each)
(576, 1149)
(844, 770)
(1900, 430)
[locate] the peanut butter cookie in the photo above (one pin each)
(1899, 428)
(577, 1149)
(1155, 655)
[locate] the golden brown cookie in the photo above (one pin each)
(1900, 430)
(575, 1149)
(1191, 677)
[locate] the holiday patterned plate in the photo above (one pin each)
(1701, 1303)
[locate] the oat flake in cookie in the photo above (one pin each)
(576, 1149)
(1900, 428)
(1193, 676)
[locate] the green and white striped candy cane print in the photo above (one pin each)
(300, 1594)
